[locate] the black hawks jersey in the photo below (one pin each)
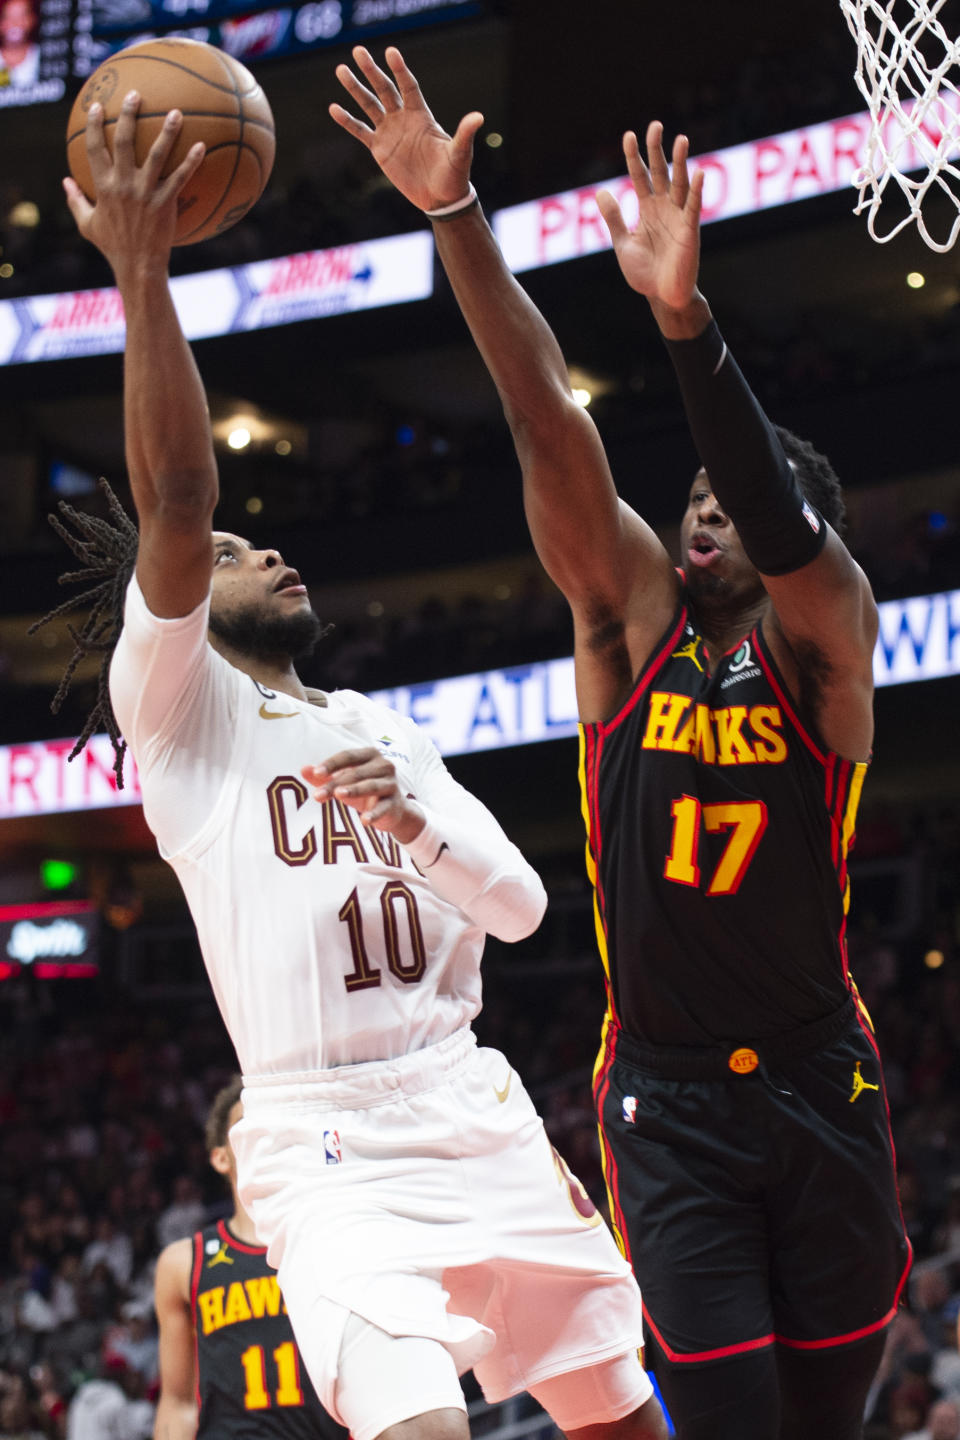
(718, 831)
(250, 1377)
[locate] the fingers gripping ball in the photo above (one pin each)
(222, 105)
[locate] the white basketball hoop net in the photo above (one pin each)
(907, 71)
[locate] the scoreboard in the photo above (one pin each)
(249, 32)
(44, 44)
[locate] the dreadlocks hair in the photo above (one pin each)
(108, 552)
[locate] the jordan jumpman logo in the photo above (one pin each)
(859, 1084)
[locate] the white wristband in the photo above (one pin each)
(446, 212)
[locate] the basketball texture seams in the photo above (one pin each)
(222, 105)
(161, 116)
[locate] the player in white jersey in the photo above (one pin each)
(341, 883)
(342, 950)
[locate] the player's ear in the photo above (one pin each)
(220, 1160)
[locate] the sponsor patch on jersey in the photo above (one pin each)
(630, 1108)
(742, 666)
(331, 1147)
(388, 746)
(212, 1246)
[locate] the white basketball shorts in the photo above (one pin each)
(423, 1194)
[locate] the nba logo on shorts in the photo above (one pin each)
(630, 1108)
(331, 1147)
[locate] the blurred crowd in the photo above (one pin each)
(440, 638)
(103, 1163)
(103, 1098)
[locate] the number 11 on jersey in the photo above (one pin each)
(288, 1391)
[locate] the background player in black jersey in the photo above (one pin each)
(229, 1365)
(726, 724)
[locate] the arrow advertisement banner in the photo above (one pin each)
(391, 271)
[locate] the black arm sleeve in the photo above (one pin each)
(745, 463)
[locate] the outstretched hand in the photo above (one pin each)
(428, 166)
(660, 256)
(134, 216)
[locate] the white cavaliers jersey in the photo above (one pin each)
(324, 943)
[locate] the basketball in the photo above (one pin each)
(222, 105)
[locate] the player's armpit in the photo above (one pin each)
(828, 602)
(822, 632)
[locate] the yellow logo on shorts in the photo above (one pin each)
(744, 1060)
(859, 1084)
(502, 1094)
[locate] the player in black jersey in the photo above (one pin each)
(727, 722)
(229, 1365)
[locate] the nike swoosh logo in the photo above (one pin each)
(502, 1094)
(266, 714)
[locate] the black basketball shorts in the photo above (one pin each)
(753, 1189)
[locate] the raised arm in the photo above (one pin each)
(609, 564)
(823, 623)
(169, 447)
(177, 1411)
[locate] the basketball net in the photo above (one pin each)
(903, 66)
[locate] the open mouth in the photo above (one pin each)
(289, 584)
(703, 551)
